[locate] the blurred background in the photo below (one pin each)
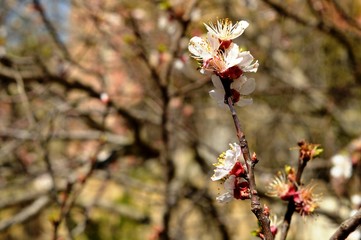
(107, 130)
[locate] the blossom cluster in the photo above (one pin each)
(218, 55)
(232, 172)
(284, 187)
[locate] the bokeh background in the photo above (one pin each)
(107, 130)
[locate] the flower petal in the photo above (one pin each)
(225, 197)
(213, 43)
(218, 96)
(219, 173)
(247, 57)
(239, 28)
(199, 48)
(248, 87)
(246, 64)
(232, 56)
(244, 102)
(229, 184)
(217, 82)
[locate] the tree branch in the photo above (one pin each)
(256, 207)
(26, 213)
(347, 227)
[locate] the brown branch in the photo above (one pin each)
(81, 225)
(66, 136)
(347, 227)
(55, 36)
(45, 145)
(166, 97)
(187, 89)
(326, 28)
(291, 207)
(73, 191)
(202, 199)
(24, 98)
(41, 73)
(333, 14)
(51, 29)
(256, 207)
(27, 213)
(123, 210)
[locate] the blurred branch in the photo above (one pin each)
(187, 89)
(67, 136)
(26, 213)
(331, 13)
(24, 98)
(51, 29)
(202, 199)
(74, 84)
(328, 28)
(88, 208)
(55, 36)
(163, 85)
(124, 211)
(347, 227)
(15, 200)
(73, 191)
(285, 12)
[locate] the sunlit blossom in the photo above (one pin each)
(240, 89)
(226, 161)
(229, 187)
(247, 64)
(227, 62)
(306, 200)
(236, 188)
(281, 187)
(232, 63)
(342, 166)
(204, 50)
(225, 30)
(356, 200)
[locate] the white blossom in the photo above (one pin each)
(342, 166)
(204, 49)
(225, 30)
(229, 186)
(242, 87)
(247, 63)
(226, 161)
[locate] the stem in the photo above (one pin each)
(255, 200)
(291, 207)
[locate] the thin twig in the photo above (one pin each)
(329, 29)
(24, 98)
(256, 207)
(202, 199)
(291, 207)
(73, 191)
(89, 207)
